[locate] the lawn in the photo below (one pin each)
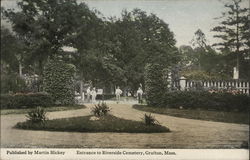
(106, 123)
(48, 109)
(217, 116)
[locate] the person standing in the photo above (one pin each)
(93, 94)
(139, 94)
(88, 94)
(118, 93)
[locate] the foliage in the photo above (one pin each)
(155, 87)
(107, 123)
(149, 119)
(10, 48)
(234, 33)
(205, 60)
(37, 115)
(47, 109)
(202, 75)
(135, 39)
(25, 100)
(201, 114)
(12, 83)
(220, 101)
(101, 109)
(58, 81)
(111, 51)
(230, 30)
(47, 26)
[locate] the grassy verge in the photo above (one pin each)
(48, 109)
(107, 123)
(217, 116)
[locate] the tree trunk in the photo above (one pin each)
(81, 89)
(81, 85)
(237, 39)
(20, 69)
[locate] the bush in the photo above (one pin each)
(27, 100)
(100, 109)
(37, 115)
(206, 100)
(58, 81)
(149, 119)
(12, 83)
(154, 84)
(205, 76)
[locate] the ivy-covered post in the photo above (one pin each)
(58, 81)
(154, 84)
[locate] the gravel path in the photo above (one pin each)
(186, 133)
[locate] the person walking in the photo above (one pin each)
(139, 94)
(93, 95)
(118, 93)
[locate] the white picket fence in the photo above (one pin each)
(233, 85)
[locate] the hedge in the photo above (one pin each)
(28, 100)
(207, 100)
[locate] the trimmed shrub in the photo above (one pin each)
(206, 100)
(58, 81)
(26, 100)
(155, 86)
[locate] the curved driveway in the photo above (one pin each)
(186, 133)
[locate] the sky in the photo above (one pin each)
(183, 16)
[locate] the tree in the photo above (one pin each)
(9, 50)
(199, 40)
(45, 26)
(137, 39)
(232, 31)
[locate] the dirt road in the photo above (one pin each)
(186, 133)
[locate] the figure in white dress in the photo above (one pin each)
(88, 94)
(93, 95)
(139, 94)
(118, 93)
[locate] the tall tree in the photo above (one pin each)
(199, 42)
(45, 26)
(12, 51)
(231, 31)
(139, 38)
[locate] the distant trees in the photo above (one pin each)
(233, 31)
(201, 60)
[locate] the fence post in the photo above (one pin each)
(182, 83)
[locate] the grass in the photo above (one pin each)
(217, 116)
(48, 109)
(106, 123)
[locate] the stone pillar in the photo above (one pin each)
(236, 73)
(182, 83)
